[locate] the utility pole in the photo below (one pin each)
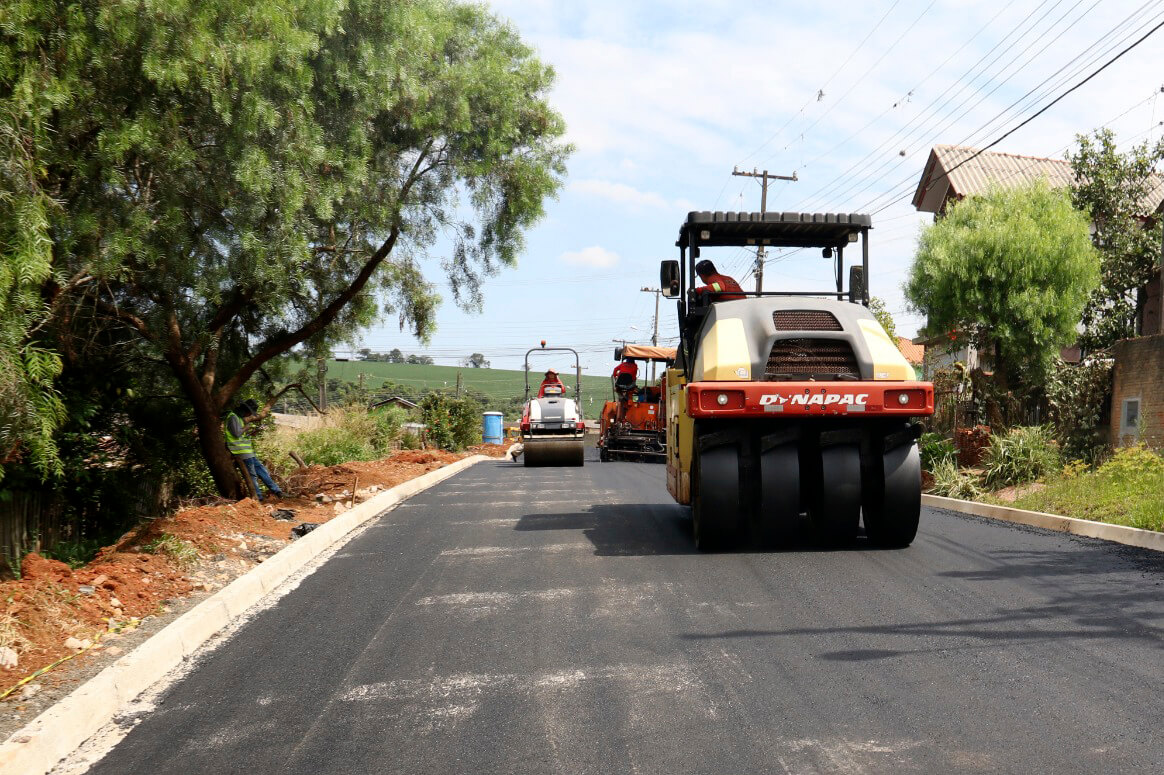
(458, 384)
(655, 325)
(764, 176)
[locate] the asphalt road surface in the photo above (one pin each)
(515, 620)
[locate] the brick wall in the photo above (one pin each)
(1139, 374)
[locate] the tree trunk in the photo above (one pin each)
(214, 451)
(211, 437)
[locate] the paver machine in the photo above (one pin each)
(631, 425)
(783, 404)
(553, 430)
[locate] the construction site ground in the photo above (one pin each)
(89, 616)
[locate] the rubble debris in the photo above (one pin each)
(303, 528)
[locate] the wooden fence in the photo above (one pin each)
(40, 520)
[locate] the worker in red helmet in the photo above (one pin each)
(716, 287)
(625, 374)
(551, 385)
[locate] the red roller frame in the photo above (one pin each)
(806, 399)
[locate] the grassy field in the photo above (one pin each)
(501, 384)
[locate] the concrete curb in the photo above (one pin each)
(1132, 536)
(54, 734)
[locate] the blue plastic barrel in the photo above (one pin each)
(492, 433)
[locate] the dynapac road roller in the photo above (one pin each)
(789, 403)
(553, 430)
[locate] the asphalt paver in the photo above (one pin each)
(520, 620)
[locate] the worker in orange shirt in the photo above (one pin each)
(625, 375)
(551, 385)
(716, 287)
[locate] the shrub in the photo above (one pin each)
(951, 482)
(438, 420)
(1132, 463)
(452, 423)
(1021, 455)
(347, 433)
(332, 446)
(1077, 395)
(934, 448)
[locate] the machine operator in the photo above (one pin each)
(716, 287)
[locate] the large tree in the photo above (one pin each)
(1114, 189)
(231, 182)
(1008, 272)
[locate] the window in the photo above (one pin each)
(1130, 418)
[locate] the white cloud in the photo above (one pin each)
(592, 256)
(618, 192)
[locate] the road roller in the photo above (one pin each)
(789, 410)
(552, 428)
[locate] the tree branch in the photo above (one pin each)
(286, 341)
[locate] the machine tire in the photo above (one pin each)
(774, 524)
(603, 455)
(715, 497)
(836, 500)
(892, 498)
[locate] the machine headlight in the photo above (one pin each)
(721, 399)
(903, 398)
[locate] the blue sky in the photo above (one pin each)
(663, 99)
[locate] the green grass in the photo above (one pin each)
(1127, 490)
(501, 384)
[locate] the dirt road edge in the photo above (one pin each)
(50, 737)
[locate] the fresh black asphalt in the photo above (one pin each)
(515, 620)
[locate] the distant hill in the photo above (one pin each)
(502, 385)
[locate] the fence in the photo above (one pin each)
(42, 520)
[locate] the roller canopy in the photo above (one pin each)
(802, 230)
(645, 352)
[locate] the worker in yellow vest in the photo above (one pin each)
(241, 446)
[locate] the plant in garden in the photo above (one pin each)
(1113, 189)
(1076, 396)
(1008, 272)
(1128, 463)
(952, 482)
(1021, 455)
(934, 448)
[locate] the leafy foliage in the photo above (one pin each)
(877, 307)
(348, 433)
(1021, 455)
(1128, 463)
(229, 183)
(935, 448)
(1113, 188)
(1076, 396)
(1008, 272)
(951, 482)
(451, 423)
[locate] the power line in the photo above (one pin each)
(1052, 103)
(933, 120)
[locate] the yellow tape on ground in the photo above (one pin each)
(114, 628)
